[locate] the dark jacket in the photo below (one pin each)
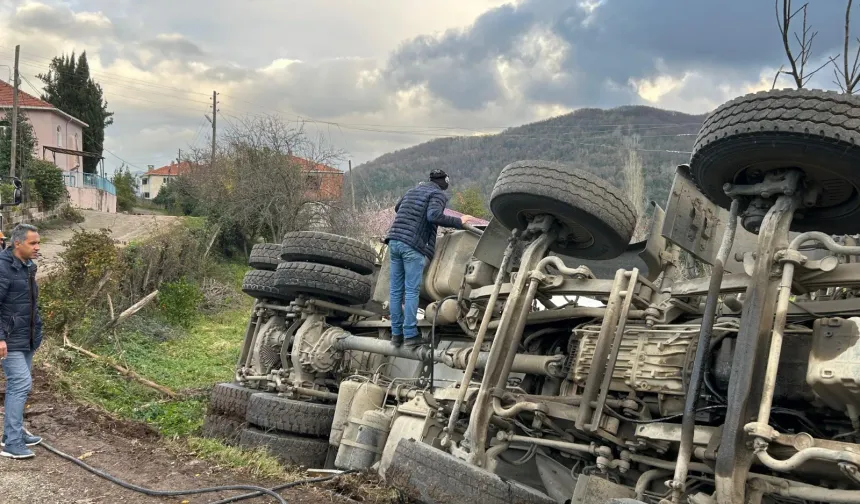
(20, 322)
(419, 214)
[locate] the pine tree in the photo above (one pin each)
(69, 87)
(470, 201)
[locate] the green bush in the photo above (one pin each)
(178, 302)
(47, 183)
(71, 214)
(126, 188)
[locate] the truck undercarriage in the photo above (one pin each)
(564, 363)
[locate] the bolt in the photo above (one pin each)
(765, 194)
(828, 334)
(727, 187)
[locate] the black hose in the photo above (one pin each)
(283, 487)
(258, 490)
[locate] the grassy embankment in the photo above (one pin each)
(188, 357)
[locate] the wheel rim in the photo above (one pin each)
(571, 234)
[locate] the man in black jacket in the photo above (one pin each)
(20, 335)
(412, 240)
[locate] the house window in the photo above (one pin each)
(146, 195)
(144, 181)
(59, 137)
(313, 182)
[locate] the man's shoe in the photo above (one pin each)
(17, 452)
(397, 339)
(29, 439)
(413, 343)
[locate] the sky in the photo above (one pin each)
(372, 76)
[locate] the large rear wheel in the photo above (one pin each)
(817, 132)
(597, 220)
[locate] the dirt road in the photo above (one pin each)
(127, 450)
(124, 228)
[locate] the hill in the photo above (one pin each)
(591, 139)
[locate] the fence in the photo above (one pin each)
(85, 180)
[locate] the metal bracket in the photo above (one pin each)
(692, 221)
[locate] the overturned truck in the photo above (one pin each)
(565, 363)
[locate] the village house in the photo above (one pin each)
(153, 180)
(324, 183)
(59, 138)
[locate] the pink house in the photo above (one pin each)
(57, 129)
(52, 126)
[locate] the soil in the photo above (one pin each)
(130, 451)
(124, 228)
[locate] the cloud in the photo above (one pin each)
(386, 75)
(175, 46)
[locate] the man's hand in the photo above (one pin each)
(3, 350)
(465, 219)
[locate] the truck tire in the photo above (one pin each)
(429, 475)
(265, 256)
(222, 427)
(597, 219)
(270, 411)
(230, 399)
(289, 450)
(320, 280)
(261, 284)
(329, 249)
(815, 131)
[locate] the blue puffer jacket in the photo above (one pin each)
(419, 214)
(20, 322)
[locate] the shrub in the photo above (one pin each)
(71, 214)
(126, 188)
(178, 302)
(47, 182)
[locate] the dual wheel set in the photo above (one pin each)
(326, 266)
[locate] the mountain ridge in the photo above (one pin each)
(596, 140)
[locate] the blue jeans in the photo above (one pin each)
(16, 367)
(407, 268)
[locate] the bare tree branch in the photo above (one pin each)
(776, 77)
(804, 41)
(848, 77)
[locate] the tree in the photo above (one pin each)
(69, 87)
(47, 181)
(26, 143)
(470, 201)
(126, 189)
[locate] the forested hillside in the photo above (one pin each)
(596, 140)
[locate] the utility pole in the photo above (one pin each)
(214, 122)
(14, 159)
(352, 185)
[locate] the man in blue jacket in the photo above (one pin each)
(20, 335)
(412, 240)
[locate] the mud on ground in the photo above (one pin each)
(128, 450)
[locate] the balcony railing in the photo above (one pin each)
(84, 180)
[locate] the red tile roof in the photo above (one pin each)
(185, 167)
(171, 169)
(310, 165)
(7, 94)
